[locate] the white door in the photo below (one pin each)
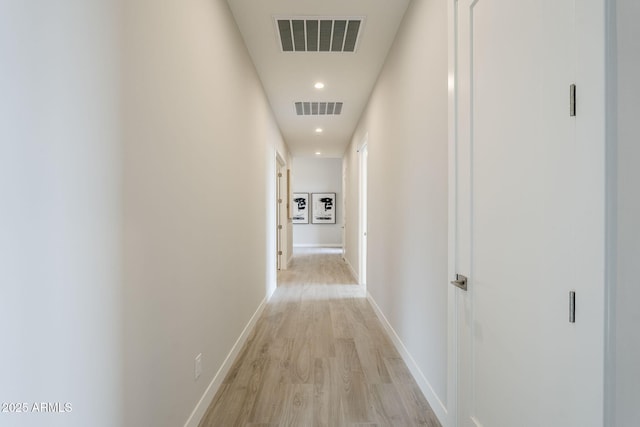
(364, 155)
(524, 234)
(280, 210)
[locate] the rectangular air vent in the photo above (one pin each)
(318, 108)
(299, 34)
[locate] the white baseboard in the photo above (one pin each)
(436, 404)
(355, 274)
(214, 386)
(317, 245)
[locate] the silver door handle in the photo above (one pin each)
(460, 282)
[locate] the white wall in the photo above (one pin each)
(406, 122)
(136, 177)
(318, 175)
(199, 190)
(627, 346)
(60, 322)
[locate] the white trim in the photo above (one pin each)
(436, 404)
(363, 143)
(206, 399)
(611, 203)
(317, 245)
(591, 132)
(453, 361)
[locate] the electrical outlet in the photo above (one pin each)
(198, 366)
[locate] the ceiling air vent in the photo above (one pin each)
(318, 108)
(319, 34)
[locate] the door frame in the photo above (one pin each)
(453, 364)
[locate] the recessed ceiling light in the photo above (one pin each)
(318, 130)
(318, 153)
(319, 85)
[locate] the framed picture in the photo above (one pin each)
(300, 208)
(324, 208)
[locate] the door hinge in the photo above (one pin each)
(572, 100)
(279, 227)
(572, 307)
(279, 252)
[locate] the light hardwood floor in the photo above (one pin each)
(319, 356)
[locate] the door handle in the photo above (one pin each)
(460, 282)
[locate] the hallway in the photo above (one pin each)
(319, 357)
(481, 159)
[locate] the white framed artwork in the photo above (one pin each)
(323, 208)
(300, 208)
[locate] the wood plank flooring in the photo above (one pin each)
(319, 356)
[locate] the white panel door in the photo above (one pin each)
(280, 209)
(518, 234)
(364, 203)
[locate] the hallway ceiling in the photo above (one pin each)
(288, 77)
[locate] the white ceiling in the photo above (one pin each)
(289, 77)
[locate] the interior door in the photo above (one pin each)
(364, 159)
(280, 207)
(518, 235)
